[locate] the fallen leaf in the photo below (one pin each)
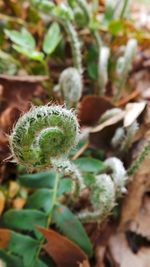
(13, 189)
(111, 121)
(130, 97)
(2, 202)
(133, 110)
(121, 255)
(18, 203)
(141, 222)
(63, 251)
(84, 264)
(5, 236)
(91, 108)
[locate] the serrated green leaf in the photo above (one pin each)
(38, 180)
(52, 38)
(41, 199)
(24, 219)
(23, 38)
(69, 224)
(90, 165)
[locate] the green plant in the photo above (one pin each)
(42, 125)
(137, 163)
(41, 140)
(70, 86)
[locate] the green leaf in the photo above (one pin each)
(116, 26)
(24, 219)
(38, 180)
(10, 260)
(23, 38)
(90, 165)
(44, 5)
(23, 246)
(65, 186)
(41, 199)
(69, 224)
(52, 38)
(89, 179)
(35, 55)
(109, 12)
(40, 263)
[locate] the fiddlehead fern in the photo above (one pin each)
(104, 191)
(70, 85)
(102, 200)
(42, 134)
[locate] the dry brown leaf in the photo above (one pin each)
(109, 122)
(63, 251)
(18, 203)
(133, 110)
(84, 264)
(91, 108)
(141, 222)
(13, 189)
(2, 202)
(128, 98)
(5, 236)
(122, 256)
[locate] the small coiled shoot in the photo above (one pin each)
(43, 133)
(70, 86)
(105, 190)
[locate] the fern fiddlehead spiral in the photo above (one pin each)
(43, 133)
(104, 191)
(70, 86)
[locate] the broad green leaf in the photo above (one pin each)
(65, 186)
(35, 55)
(10, 260)
(90, 165)
(69, 224)
(41, 199)
(24, 219)
(38, 180)
(23, 38)
(23, 246)
(52, 38)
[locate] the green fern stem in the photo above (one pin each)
(137, 163)
(75, 44)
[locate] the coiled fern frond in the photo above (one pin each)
(43, 133)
